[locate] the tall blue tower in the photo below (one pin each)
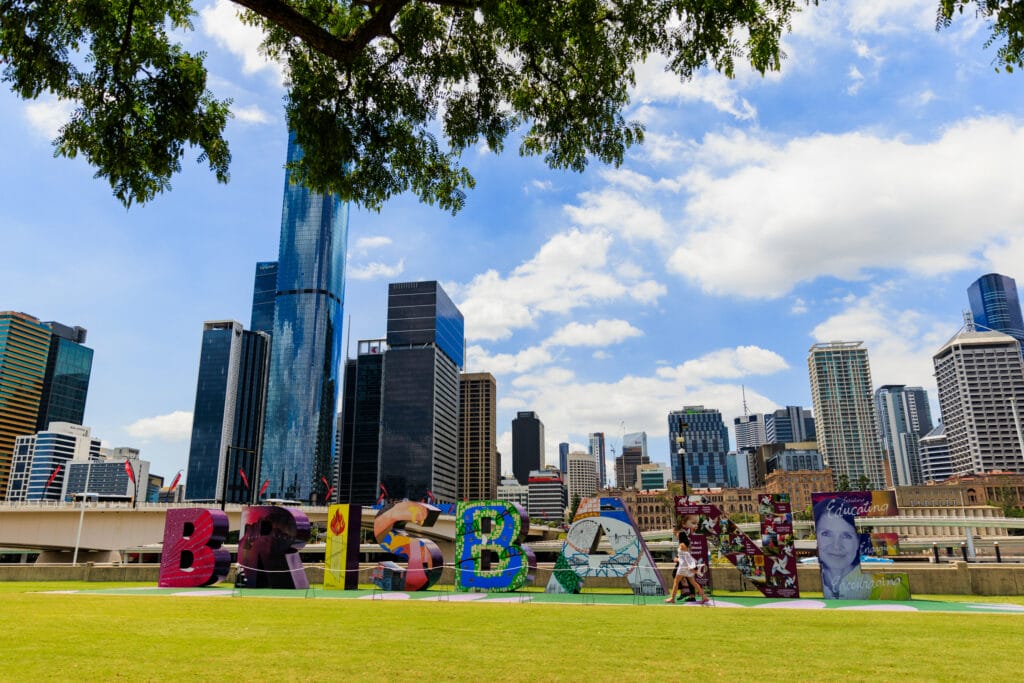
(298, 443)
(996, 306)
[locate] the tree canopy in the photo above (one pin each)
(374, 84)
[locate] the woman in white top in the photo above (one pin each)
(684, 572)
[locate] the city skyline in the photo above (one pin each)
(853, 196)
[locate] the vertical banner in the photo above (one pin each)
(840, 546)
(777, 542)
(341, 556)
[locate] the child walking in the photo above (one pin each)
(684, 572)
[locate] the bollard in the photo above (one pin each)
(999, 556)
(963, 550)
(935, 552)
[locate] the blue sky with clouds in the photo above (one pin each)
(853, 196)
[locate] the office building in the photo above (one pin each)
(41, 460)
(358, 455)
(66, 384)
(107, 477)
(514, 492)
(996, 306)
(799, 484)
(596, 450)
(903, 418)
(527, 445)
(24, 352)
(227, 422)
(478, 448)
(844, 411)
(749, 431)
(791, 457)
(792, 424)
(419, 448)
(548, 498)
(935, 463)
(698, 444)
(980, 376)
(652, 477)
(634, 454)
(298, 442)
(264, 293)
(581, 476)
(563, 455)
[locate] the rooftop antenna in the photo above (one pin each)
(743, 389)
(968, 321)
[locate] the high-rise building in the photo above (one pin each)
(634, 454)
(514, 492)
(264, 293)
(227, 423)
(596, 450)
(563, 457)
(298, 443)
(24, 351)
(903, 417)
(478, 448)
(653, 477)
(527, 445)
(792, 424)
(66, 385)
(749, 430)
(980, 376)
(107, 476)
(41, 460)
(935, 463)
(698, 443)
(419, 449)
(996, 306)
(359, 432)
(845, 414)
(581, 476)
(547, 495)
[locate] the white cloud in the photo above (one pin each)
(220, 21)
(252, 115)
(372, 271)
(46, 116)
(507, 363)
(364, 244)
(616, 212)
(655, 84)
(799, 306)
(570, 271)
(601, 333)
(601, 354)
(175, 426)
(725, 364)
(856, 81)
(841, 205)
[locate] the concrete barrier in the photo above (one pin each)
(955, 578)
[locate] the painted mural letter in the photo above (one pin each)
(423, 557)
(268, 551)
(192, 555)
(341, 557)
(488, 551)
(629, 557)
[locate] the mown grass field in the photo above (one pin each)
(140, 637)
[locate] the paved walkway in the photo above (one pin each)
(585, 598)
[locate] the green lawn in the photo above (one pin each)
(139, 637)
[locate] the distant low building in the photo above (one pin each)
(799, 484)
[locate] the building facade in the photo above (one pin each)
(844, 410)
(227, 422)
(653, 477)
(980, 376)
(514, 492)
(563, 456)
(901, 425)
(298, 442)
(698, 444)
(359, 431)
(799, 484)
(596, 450)
(66, 384)
(24, 351)
(107, 477)
(527, 445)
(634, 454)
(789, 425)
(995, 305)
(581, 476)
(41, 460)
(264, 294)
(478, 447)
(548, 498)
(749, 431)
(935, 463)
(419, 446)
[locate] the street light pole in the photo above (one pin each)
(81, 515)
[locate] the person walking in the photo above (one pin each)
(685, 572)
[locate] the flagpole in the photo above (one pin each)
(81, 515)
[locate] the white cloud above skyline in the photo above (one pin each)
(173, 427)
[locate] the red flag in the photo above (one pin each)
(263, 489)
(431, 498)
(129, 471)
(330, 489)
(245, 479)
(174, 482)
(53, 475)
(383, 493)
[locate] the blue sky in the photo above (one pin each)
(853, 196)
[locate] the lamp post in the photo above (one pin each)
(681, 450)
(81, 515)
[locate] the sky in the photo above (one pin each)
(853, 196)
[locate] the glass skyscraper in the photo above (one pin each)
(227, 423)
(698, 444)
(996, 306)
(66, 385)
(358, 471)
(527, 445)
(306, 350)
(264, 291)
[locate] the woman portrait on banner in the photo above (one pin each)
(839, 551)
